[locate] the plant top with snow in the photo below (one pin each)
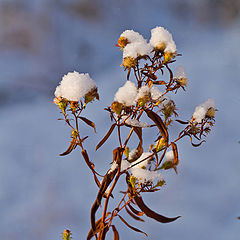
(144, 165)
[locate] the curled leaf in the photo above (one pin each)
(135, 211)
(159, 123)
(115, 233)
(88, 122)
(133, 215)
(72, 146)
(106, 137)
(131, 227)
(150, 213)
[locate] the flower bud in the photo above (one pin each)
(182, 81)
(122, 42)
(66, 234)
(160, 47)
(168, 56)
(117, 107)
(90, 96)
(61, 102)
(74, 105)
(210, 112)
(129, 62)
(160, 144)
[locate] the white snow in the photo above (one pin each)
(143, 160)
(160, 35)
(75, 86)
(124, 165)
(136, 123)
(155, 93)
(137, 49)
(145, 176)
(113, 167)
(132, 36)
(201, 110)
(169, 157)
(126, 94)
(143, 92)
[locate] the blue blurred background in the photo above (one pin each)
(40, 40)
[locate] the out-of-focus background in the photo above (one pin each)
(42, 193)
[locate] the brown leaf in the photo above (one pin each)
(133, 215)
(195, 144)
(99, 226)
(115, 233)
(105, 137)
(159, 123)
(180, 121)
(89, 123)
(175, 154)
(135, 211)
(72, 146)
(150, 213)
(159, 82)
(133, 228)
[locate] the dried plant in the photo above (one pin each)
(142, 170)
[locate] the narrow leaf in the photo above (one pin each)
(70, 148)
(115, 233)
(89, 123)
(99, 226)
(175, 154)
(105, 137)
(133, 228)
(135, 211)
(180, 121)
(150, 213)
(159, 82)
(159, 123)
(133, 215)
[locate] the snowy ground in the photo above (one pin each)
(42, 193)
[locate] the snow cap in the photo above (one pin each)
(202, 109)
(162, 40)
(126, 94)
(137, 49)
(75, 86)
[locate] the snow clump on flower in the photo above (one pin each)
(126, 94)
(162, 40)
(169, 157)
(155, 93)
(129, 36)
(137, 49)
(136, 123)
(145, 176)
(206, 109)
(75, 86)
(143, 160)
(144, 91)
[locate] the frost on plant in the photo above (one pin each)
(142, 167)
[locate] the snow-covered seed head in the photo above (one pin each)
(204, 110)
(169, 108)
(74, 86)
(126, 94)
(162, 40)
(143, 96)
(181, 77)
(129, 36)
(129, 62)
(169, 161)
(161, 46)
